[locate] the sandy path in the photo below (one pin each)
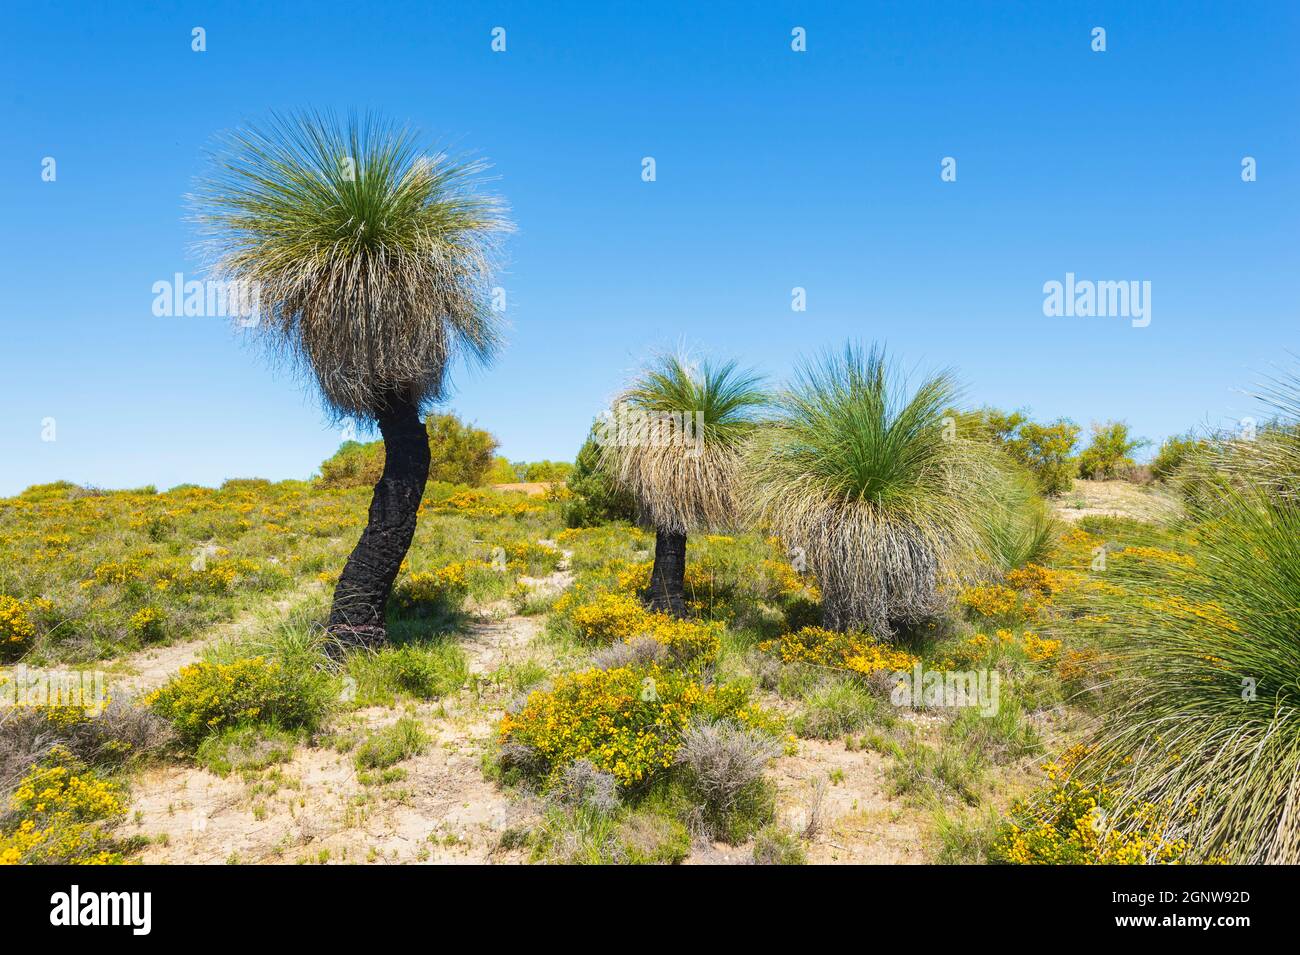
(145, 670)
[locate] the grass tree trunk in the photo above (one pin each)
(667, 590)
(361, 597)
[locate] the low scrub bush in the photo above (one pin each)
(118, 734)
(776, 846)
(723, 766)
(855, 652)
(834, 708)
(425, 672)
(586, 836)
(391, 745)
(245, 749)
(628, 722)
(205, 698)
(62, 812)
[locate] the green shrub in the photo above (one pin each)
(1045, 450)
(834, 707)
(586, 836)
(595, 499)
(546, 471)
(423, 672)
(501, 472)
(244, 749)
(459, 454)
(1173, 454)
(1110, 453)
(207, 698)
(391, 745)
(776, 846)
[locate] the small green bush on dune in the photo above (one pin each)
(1109, 455)
(1044, 449)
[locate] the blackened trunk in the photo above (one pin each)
(361, 597)
(667, 591)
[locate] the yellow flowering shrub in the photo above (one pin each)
(1039, 648)
(998, 602)
(1077, 824)
(620, 617)
(475, 503)
(788, 584)
(147, 623)
(530, 557)
(984, 649)
(17, 623)
(118, 572)
(62, 813)
(204, 698)
(1043, 581)
(626, 721)
(858, 652)
(445, 587)
(1158, 554)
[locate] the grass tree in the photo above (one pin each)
(372, 262)
(674, 442)
(1204, 661)
(874, 484)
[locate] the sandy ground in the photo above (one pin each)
(139, 673)
(1115, 499)
(315, 809)
(531, 488)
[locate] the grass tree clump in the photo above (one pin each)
(1207, 727)
(875, 485)
(674, 441)
(1016, 525)
(372, 264)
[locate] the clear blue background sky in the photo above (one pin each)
(775, 169)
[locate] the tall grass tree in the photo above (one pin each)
(674, 442)
(373, 261)
(875, 484)
(1204, 663)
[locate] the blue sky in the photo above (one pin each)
(775, 169)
